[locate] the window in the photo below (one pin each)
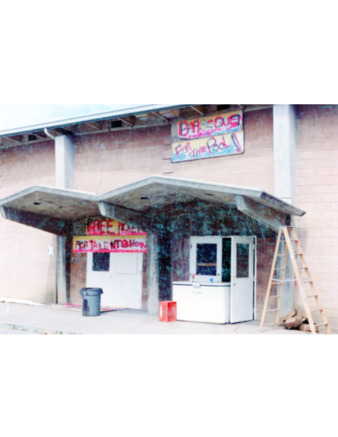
(226, 260)
(206, 259)
(206, 262)
(101, 262)
(242, 262)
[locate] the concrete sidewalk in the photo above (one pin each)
(54, 319)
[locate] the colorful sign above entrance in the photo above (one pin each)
(111, 227)
(105, 235)
(208, 137)
(110, 244)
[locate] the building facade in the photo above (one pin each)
(288, 151)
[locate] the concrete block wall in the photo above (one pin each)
(106, 161)
(317, 194)
(254, 168)
(78, 276)
(27, 272)
(265, 252)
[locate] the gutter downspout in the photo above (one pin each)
(49, 134)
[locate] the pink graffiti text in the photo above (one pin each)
(214, 146)
(106, 227)
(201, 128)
(119, 245)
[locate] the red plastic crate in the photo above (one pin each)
(168, 311)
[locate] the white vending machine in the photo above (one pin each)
(222, 283)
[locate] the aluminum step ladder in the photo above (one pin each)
(288, 243)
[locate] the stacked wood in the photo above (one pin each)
(294, 320)
(305, 327)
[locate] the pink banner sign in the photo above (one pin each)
(109, 244)
(111, 227)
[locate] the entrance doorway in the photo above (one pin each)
(229, 262)
(120, 277)
(243, 279)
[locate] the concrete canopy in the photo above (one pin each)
(49, 209)
(147, 199)
(142, 202)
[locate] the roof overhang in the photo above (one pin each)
(49, 209)
(142, 203)
(145, 116)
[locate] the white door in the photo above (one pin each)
(242, 298)
(120, 277)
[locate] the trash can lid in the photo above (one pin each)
(91, 291)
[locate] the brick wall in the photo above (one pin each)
(317, 190)
(27, 272)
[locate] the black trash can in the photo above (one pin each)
(91, 301)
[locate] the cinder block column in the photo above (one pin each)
(65, 151)
(285, 151)
(152, 274)
(285, 168)
(159, 273)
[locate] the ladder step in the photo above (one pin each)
(279, 281)
(289, 244)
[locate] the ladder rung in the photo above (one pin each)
(287, 235)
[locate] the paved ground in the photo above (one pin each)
(53, 319)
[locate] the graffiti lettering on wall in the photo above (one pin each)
(109, 244)
(111, 227)
(208, 137)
